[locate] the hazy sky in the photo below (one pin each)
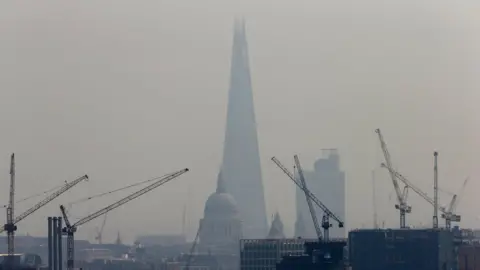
(126, 90)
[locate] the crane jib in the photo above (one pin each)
(129, 198)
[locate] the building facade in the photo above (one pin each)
(241, 160)
(264, 254)
(327, 182)
(402, 249)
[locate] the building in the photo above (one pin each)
(241, 160)
(263, 254)
(318, 256)
(221, 227)
(469, 257)
(162, 240)
(327, 182)
(196, 262)
(402, 249)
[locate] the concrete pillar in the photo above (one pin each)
(50, 244)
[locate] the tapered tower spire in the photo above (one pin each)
(241, 170)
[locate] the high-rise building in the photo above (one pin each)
(327, 182)
(241, 160)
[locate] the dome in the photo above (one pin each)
(220, 204)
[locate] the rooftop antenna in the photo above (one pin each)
(435, 191)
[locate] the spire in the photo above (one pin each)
(221, 184)
(241, 169)
(276, 230)
(119, 240)
(300, 226)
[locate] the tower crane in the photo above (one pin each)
(45, 201)
(449, 214)
(192, 248)
(70, 228)
(309, 200)
(401, 197)
(327, 214)
(449, 217)
(10, 225)
(98, 237)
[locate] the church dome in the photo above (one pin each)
(220, 204)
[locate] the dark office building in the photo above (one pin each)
(318, 256)
(402, 249)
(264, 254)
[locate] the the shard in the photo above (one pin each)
(241, 161)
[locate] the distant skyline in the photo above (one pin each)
(124, 91)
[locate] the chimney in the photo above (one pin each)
(59, 243)
(50, 243)
(55, 243)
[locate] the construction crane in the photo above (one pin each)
(45, 201)
(449, 217)
(401, 197)
(192, 249)
(70, 228)
(10, 225)
(98, 237)
(449, 214)
(327, 214)
(309, 200)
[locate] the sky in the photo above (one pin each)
(128, 90)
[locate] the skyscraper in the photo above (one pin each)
(327, 182)
(241, 161)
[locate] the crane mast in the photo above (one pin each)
(327, 213)
(10, 225)
(70, 228)
(435, 191)
(100, 231)
(309, 200)
(192, 248)
(401, 197)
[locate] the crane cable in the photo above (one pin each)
(113, 191)
(37, 194)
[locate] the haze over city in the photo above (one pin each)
(127, 91)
